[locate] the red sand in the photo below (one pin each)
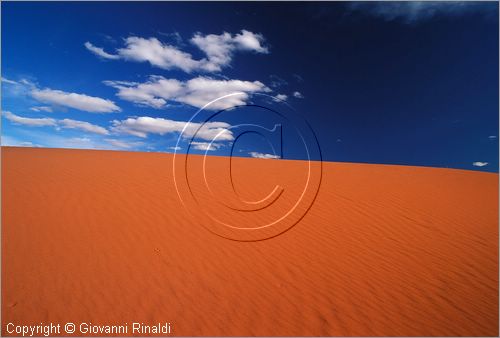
(101, 237)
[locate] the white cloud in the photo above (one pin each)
(205, 146)
(9, 81)
(298, 95)
(479, 164)
(76, 101)
(152, 93)
(78, 143)
(247, 40)
(219, 50)
(174, 148)
(118, 143)
(281, 97)
(42, 108)
(27, 121)
(157, 54)
(65, 123)
(82, 125)
(263, 155)
(60, 98)
(100, 52)
(197, 92)
(144, 125)
(201, 90)
(492, 137)
(123, 144)
(74, 143)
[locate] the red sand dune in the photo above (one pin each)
(102, 237)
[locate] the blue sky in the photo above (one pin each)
(395, 83)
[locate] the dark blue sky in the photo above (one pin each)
(412, 84)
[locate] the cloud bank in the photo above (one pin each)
(218, 49)
(144, 125)
(65, 123)
(197, 92)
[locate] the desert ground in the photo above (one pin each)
(102, 237)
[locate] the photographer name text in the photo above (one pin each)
(82, 329)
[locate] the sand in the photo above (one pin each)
(101, 237)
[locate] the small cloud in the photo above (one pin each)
(174, 148)
(492, 137)
(280, 97)
(122, 144)
(263, 155)
(28, 144)
(65, 123)
(81, 102)
(205, 146)
(5, 80)
(100, 51)
(479, 164)
(42, 108)
(298, 95)
(27, 121)
(117, 143)
(79, 142)
(82, 125)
